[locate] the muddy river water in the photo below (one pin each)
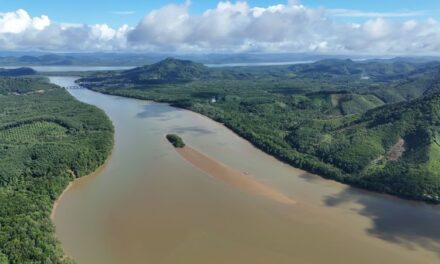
(149, 205)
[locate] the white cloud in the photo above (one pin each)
(231, 27)
(358, 13)
(377, 28)
(19, 21)
(41, 23)
(103, 32)
(20, 31)
(290, 27)
(169, 25)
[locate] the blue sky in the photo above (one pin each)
(116, 13)
(380, 27)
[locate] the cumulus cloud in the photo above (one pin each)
(20, 31)
(289, 27)
(358, 13)
(232, 27)
(19, 21)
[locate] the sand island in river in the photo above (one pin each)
(231, 176)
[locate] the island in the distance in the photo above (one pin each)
(228, 175)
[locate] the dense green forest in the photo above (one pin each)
(47, 139)
(175, 140)
(372, 124)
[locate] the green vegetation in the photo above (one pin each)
(18, 86)
(47, 139)
(434, 154)
(169, 70)
(16, 72)
(175, 140)
(336, 118)
(34, 132)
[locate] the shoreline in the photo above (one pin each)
(56, 203)
(230, 176)
(386, 195)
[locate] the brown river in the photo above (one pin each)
(149, 205)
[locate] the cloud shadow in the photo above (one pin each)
(161, 112)
(411, 224)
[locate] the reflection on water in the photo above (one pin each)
(149, 205)
(195, 130)
(158, 111)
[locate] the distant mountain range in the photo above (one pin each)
(172, 70)
(130, 59)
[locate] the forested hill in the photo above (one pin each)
(166, 71)
(388, 81)
(16, 72)
(170, 70)
(372, 124)
(393, 149)
(47, 139)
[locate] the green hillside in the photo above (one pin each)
(361, 147)
(170, 70)
(16, 72)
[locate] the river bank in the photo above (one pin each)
(75, 181)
